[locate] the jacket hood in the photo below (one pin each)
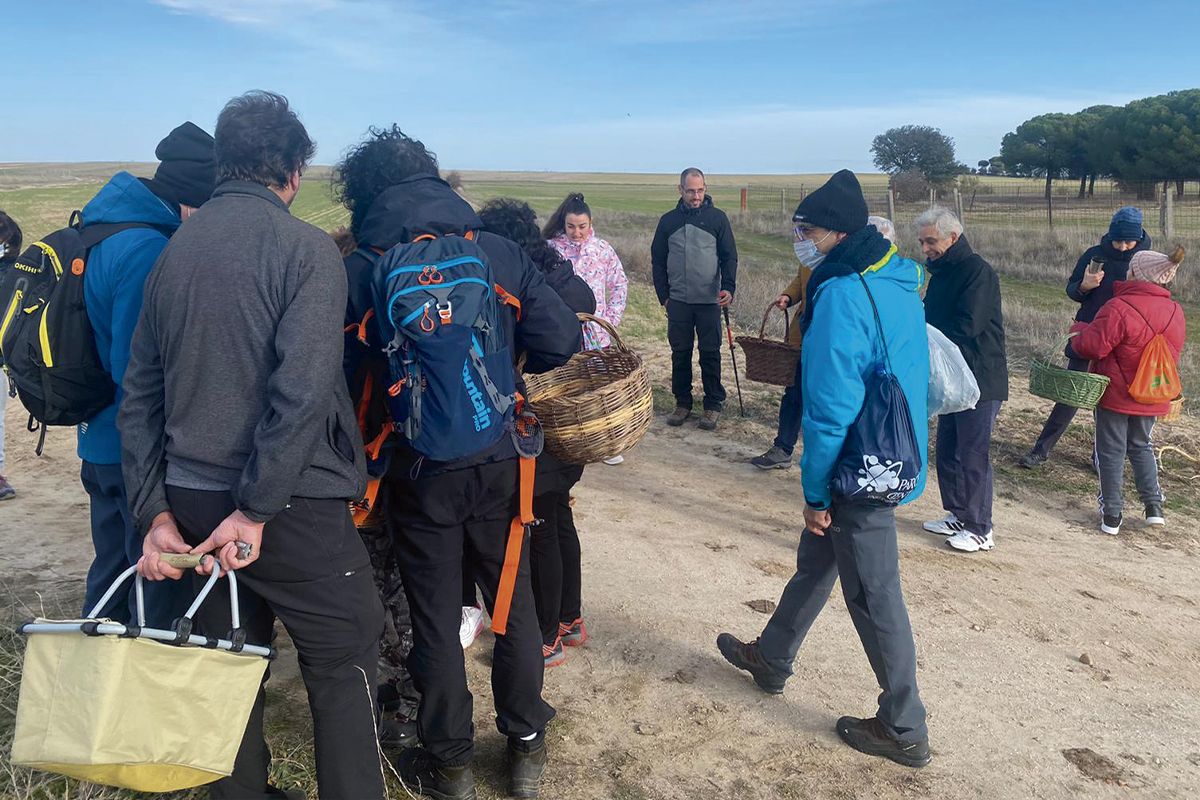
(957, 253)
(126, 199)
(1112, 254)
(1140, 288)
(418, 205)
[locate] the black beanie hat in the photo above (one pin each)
(837, 206)
(188, 172)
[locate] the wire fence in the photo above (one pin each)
(1170, 208)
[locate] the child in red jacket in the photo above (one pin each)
(1140, 309)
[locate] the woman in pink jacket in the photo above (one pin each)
(570, 232)
(1141, 308)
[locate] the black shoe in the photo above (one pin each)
(1032, 460)
(775, 458)
(747, 656)
(423, 774)
(397, 732)
(870, 737)
(525, 769)
(1110, 524)
(1154, 514)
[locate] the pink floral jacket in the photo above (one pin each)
(598, 264)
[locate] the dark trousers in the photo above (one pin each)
(443, 521)
(397, 693)
(554, 560)
(860, 548)
(687, 324)
(1060, 417)
(118, 546)
(791, 411)
(964, 464)
(314, 576)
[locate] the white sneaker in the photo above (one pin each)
(471, 625)
(948, 525)
(969, 542)
(612, 462)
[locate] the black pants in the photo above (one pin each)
(1060, 417)
(964, 464)
(315, 576)
(687, 324)
(443, 521)
(791, 412)
(555, 563)
(397, 693)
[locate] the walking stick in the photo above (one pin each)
(733, 357)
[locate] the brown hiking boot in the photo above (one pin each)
(709, 421)
(678, 416)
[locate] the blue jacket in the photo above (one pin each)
(841, 348)
(112, 287)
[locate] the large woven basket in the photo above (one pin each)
(597, 405)
(1066, 386)
(1176, 410)
(769, 361)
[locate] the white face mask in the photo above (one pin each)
(807, 252)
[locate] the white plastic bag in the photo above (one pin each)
(952, 385)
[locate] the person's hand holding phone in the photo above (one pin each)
(1093, 277)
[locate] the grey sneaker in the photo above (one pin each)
(1032, 460)
(678, 416)
(870, 737)
(709, 421)
(7, 492)
(775, 458)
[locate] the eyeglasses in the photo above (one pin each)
(802, 230)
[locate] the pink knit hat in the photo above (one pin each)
(1155, 267)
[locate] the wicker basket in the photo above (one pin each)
(1066, 386)
(768, 361)
(1176, 410)
(597, 405)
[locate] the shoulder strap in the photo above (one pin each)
(1143, 316)
(92, 235)
(878, 323)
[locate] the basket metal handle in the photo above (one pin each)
(607, 326)
(787, 322)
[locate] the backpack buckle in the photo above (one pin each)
(445, 312)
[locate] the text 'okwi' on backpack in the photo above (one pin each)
(47, 346)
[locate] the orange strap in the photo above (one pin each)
(376, 444)
(512, 552)
(504, 297)
(424, 237)
(361, 510)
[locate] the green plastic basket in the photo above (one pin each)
(1066, 386)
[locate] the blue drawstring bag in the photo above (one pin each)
(880, 462)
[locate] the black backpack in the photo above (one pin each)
(47, 346)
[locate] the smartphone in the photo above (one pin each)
(1097, 265)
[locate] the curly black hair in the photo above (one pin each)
(260, 139)
(386, 157)
(515, 220)
(573, 204)
(10, 236)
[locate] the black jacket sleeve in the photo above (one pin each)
(980, 291)
(571, 288)
(1076, 278)
(548, 331)
(727, 260)
(658, 261)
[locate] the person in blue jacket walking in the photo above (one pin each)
(851, 540)
(113, 283)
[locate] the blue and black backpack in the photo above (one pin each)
(437, 307)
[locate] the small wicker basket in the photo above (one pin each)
(597, 405)
(769, 361)
(1066, 386)
(1176, 410)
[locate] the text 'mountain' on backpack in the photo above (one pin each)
(47, 345)
(453, 390)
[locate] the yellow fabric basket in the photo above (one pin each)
(131, 712)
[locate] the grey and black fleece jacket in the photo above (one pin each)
(693, 254)
(235, 378)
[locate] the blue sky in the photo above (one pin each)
(588, 85)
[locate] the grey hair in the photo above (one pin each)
(691, 172)
(884, 226)
(941, 218)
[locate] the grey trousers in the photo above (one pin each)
(1121, 436)
(860, 548)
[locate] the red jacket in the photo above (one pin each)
(1122, 329)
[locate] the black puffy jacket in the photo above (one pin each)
(1116, 268)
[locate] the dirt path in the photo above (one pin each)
(682, 536)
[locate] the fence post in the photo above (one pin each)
(958, 203)
(1166, 212)
(782, 202)
(892, 206)
(745, 192)
(932, 197)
